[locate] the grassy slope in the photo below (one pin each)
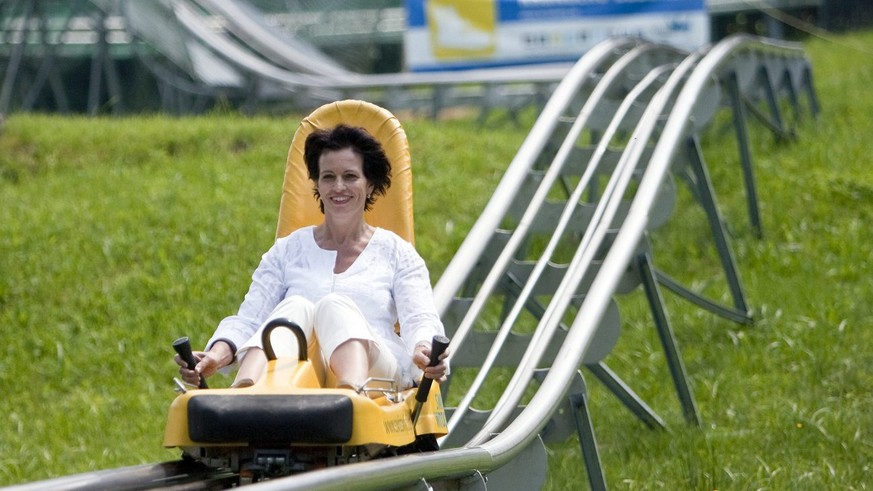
(118, 236)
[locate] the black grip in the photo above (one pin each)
(183, 347)
(437, 347)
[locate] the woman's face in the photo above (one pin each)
(341, 182)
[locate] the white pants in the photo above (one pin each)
(335, 320)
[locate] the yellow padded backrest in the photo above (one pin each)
(393, 211)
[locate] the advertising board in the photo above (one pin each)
(463, 34)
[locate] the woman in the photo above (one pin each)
(345, 282)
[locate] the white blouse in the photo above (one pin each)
(389, 282)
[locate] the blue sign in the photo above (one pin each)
(461, 34)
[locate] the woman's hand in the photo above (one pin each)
(208, 362)
(421, 358)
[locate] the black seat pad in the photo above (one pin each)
(270, 419)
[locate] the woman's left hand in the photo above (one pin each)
(421, 358)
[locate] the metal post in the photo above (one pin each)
(579, 403)
(716, 223)
(15, 60)
(627, 396)
(98, 58)
(745, 152)
(810, 91)
(668, 340)
(772, 103)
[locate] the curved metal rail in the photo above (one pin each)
(247, 24)
(591, 239)
(630, 113)
(270, 65)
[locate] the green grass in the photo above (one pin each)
(117, 236)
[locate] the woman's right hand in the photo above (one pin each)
(208, 362)
(421, 357)
(191, 377)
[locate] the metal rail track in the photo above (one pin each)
(268, 65)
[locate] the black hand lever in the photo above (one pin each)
(437, 347)
(183, 347)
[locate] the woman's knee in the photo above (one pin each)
(296, 309)
(335, 311)
(333, 301)
(293, 304)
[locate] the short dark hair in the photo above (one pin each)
(377, 167)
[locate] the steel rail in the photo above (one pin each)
(583, 258)
(474, 243)
(235, 54)
(280, 48)
(610, 79)
(591, 242)
(630, 233)
(148, 476)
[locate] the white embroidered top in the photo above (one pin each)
(389, 282)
